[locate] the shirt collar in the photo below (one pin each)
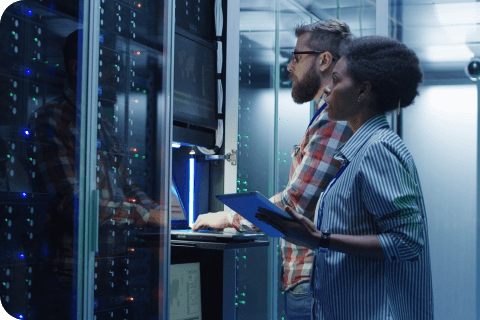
(348, 150)
(321, 101)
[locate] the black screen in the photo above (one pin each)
(194, 84)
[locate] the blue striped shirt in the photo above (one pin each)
(377, 193)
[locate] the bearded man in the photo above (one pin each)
(319, 46)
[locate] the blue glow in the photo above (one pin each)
(20, 316)
(191, 197)
(29, 12)
(26, 132)
(21, 256)
(24, 194)
(28, 72)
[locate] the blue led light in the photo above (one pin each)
(29, 12)
(191, 197)
(28, 72)
(24, 194)
(21, 256)
(26, 132)
(20, 316)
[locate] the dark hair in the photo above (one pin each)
(70, 52)
(390, 66)
(331, 35)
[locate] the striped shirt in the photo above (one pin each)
(313, 166)
(378, 193)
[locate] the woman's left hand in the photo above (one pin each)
(300, 231)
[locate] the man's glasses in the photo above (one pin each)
(296, 54)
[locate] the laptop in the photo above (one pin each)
(180, 230)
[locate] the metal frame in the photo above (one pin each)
(231, 92)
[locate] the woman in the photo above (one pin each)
(371, 241)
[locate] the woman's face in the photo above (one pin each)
(342, 94)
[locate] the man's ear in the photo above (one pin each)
(325, 61)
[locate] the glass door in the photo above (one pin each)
(42, 160)
(132, 161)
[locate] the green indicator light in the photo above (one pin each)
(36, 39)
(236, 258)
(244, 190)
(238, 189)
(46, 61)
(143, 157)
(236, 304)
(244, 182)
(236, 296)
(239, 136)
(28, 220)
(13, 32)
(144, 91)
(33, 99)
(11, 94)
(278, 119)
(138, 89)
(116, 65)
(243, 294)
(113, 168)
(284, 153)
(278, 159)
(238, 181)
(57, 65)
(246, 137)
(245, 145)
(136, 155)
(244, 257)
(284, 160)
(248, 108)
(144, 174)
(242, 302)
(8, 156)
(34, 59)
(6, 220)
(4, 284)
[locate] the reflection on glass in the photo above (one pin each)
(38, 164)
(127, 281)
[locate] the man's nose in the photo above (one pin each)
(290, 66)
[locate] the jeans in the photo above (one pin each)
(298, 302)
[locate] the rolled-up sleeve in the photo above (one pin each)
(391, 193)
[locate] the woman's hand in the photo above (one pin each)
(300, 231)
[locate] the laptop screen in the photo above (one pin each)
(179, 215)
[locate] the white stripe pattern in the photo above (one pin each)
(378, 193)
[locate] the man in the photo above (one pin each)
(318, 47)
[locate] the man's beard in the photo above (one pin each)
(305, 89)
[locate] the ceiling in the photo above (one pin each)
(444, 33)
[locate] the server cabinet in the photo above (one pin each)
(84, 158)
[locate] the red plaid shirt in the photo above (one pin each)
(313, 166)
(56, 137)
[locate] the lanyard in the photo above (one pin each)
(317, 113)
(337, 175)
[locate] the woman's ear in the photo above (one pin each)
(325, 61)
(365, 91)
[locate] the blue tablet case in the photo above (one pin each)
(247, 205)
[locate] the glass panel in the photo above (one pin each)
(40, 170)
(256, 99)
(130, 263)
(444, 34)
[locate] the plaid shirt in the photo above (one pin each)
(313, 166)
(56, 137)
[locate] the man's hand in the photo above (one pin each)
(216, 220)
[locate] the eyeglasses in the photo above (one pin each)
(295, 54)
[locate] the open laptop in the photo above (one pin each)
(180, 230)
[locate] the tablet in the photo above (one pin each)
(247, 205)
